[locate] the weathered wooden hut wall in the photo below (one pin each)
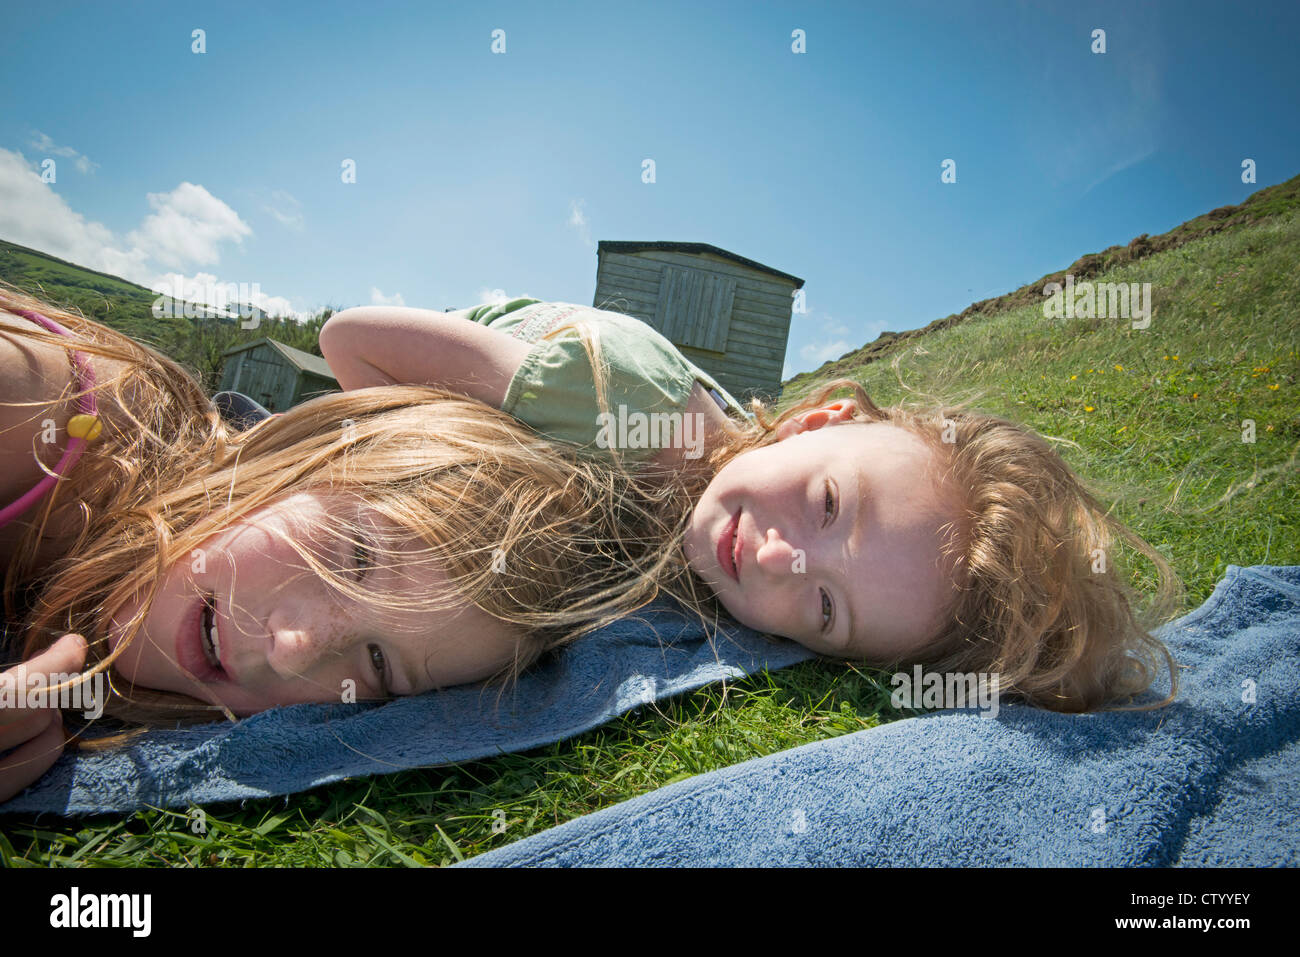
(261, 373)
(276, 375)
(311, 385)
(685, 296)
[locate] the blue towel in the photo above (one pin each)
(659, 652)
(1212, 780)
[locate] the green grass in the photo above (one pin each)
(442, 815)
(1152, 418)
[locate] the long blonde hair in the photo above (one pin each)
(533, 532)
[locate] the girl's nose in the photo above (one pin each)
(777, 556)
(299, 643)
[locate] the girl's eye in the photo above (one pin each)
(361, 554)
(380, 664)
(828, 607)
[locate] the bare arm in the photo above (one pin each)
(714, 426)
(387, 345)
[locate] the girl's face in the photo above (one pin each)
(285, 636)
(837, 540)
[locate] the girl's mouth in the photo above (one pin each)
(212, 643)
(199, 647)
(728, 545)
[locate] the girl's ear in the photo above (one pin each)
(791, 426)
(838, 411)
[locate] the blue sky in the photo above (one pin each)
(482, 174)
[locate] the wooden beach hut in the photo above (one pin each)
(727, 314)
(276, 375)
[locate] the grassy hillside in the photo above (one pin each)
(1279, 200)
(195, 343)
(1152, 418)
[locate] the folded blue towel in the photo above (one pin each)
(659, 652)
(1214, 779)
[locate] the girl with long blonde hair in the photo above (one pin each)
(360, 546)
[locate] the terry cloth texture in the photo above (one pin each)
(659, 652)
(553, 390)
(1211, 780)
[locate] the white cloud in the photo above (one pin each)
(819, 352)
(377, 298)
(498, 296)
(205, 288)
(1118, 167)
(1123, 108)
(827, 339)
(187, 227)
(286, 209)
(578, 220)
(43, 144)
(32, 214)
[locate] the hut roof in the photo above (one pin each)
(304, 361)
(606, 245)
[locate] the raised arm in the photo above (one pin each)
(387, 345)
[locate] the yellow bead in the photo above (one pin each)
(85, 427)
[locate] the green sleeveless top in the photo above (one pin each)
(554, 389)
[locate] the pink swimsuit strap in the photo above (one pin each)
(75, 446)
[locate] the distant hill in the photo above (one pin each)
(1269, 202)
(197, 343)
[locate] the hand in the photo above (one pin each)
(40, 728)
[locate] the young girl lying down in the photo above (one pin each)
(397, 539)
(363, 545)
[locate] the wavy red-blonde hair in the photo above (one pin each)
(1042, 599)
